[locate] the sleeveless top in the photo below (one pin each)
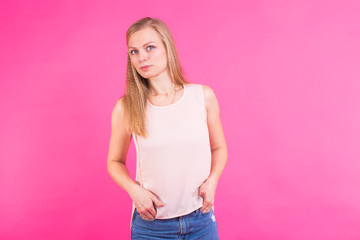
(175, 158)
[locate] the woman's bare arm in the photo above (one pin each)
(116, 165)
(119, 144)
(218, 148)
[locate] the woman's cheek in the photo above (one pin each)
(155, 54)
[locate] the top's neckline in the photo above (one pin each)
(172, 104)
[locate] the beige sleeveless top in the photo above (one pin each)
(175, 158)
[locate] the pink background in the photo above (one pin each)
(287, 77)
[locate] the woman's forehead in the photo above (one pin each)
(143, 37)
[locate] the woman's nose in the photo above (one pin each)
(143, 56)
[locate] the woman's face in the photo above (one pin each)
(145, 48)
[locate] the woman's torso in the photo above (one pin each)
(175, 158)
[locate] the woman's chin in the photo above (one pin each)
(147, 75)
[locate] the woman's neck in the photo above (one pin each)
(162, 86)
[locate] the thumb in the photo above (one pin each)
(157, 201)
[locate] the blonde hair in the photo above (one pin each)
(137, 87)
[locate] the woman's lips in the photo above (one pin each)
(145, 67)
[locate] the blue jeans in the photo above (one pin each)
(195, 225)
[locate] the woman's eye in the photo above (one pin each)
(132, 52)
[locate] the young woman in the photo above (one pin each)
(179, 140)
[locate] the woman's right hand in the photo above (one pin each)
(145, 202)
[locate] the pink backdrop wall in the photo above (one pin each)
(287, 78)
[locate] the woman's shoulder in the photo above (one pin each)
(205, 88)
(118, 116)
(118, 109)
(208, 93)
(209, 96)
(119, 104)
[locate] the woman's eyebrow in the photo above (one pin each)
(144, 44)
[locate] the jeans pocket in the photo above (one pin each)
(138, 216)
(204, 213)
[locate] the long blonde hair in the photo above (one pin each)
(137, 87)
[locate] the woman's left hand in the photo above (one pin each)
(207, 192)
